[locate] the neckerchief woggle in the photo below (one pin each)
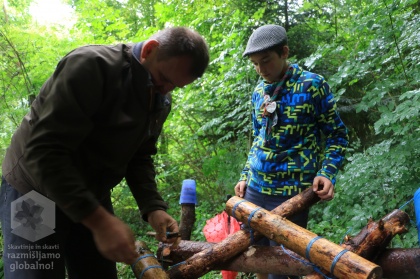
(271, 93)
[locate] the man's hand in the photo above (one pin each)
(162, 222)
(113, 238)
(240, 189)
(323, 187)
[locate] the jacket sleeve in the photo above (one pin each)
(140, 178)
(64, 109)
(335, 131)
(141, 173)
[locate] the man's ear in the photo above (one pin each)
(149, 48)
(285, 52)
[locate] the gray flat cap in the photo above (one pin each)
(265, 37)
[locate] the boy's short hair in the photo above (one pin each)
(267, 37)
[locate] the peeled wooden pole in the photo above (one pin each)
(147, 266)
(374, 237)
(325, 254)
(204, 261)
(396, 263)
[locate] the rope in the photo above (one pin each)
(336, 260)
(142, 257)
(251, 232)
(178, 264)
(234, 209)
(315, 267)
(251, 236)
(411, 220)
(308, 248)
(147, 268)
(252, 215)
(402, 206)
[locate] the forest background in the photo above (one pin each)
(369, 52)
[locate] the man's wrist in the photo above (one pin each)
(96, 219)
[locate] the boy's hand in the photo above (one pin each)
(323, 187)
(240, 189)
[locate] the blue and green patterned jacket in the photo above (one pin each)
(308, 121)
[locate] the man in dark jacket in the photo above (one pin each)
(95, 122)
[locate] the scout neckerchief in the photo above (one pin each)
(271, 93)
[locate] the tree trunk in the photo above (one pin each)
(375, 237)
(286, 15)
(204, 261)
(396, 263)
(256, 259)
(400, 263)
(325, 254)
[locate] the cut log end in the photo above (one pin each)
(376, 273)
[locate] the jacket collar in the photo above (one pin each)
(161, 101)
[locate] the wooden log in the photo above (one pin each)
(147, 266)
(187, 220)
(256, 259)
(396, 263)
(325, 254)
(374, 237)
(204, 261)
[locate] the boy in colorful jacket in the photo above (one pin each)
(294, 116)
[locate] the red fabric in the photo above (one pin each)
(217, 229)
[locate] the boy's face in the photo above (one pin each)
(269, 65)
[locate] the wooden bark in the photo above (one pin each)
(256, 259)
(147, 266)
(396, 263)
(374, 237)
(323, 253)
(400, 263)
(187, 220)
(204, 261)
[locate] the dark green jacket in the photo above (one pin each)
(95, 121)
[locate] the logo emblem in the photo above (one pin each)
(33, 216)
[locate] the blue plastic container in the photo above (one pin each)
(188, 192)
(417, 210)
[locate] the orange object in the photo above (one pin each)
(217, 229)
